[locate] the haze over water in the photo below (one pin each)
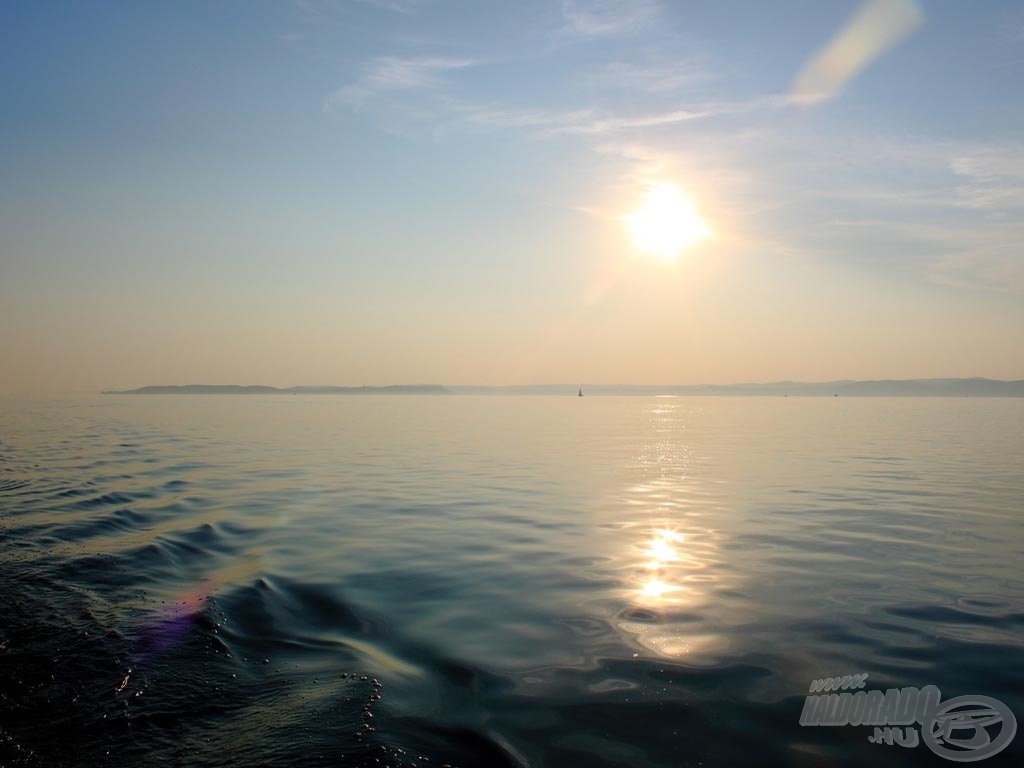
(543, 581)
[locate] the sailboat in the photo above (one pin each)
(580, 392)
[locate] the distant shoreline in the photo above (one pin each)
(975, 387)
(235, 389)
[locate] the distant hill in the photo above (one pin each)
(235, 389)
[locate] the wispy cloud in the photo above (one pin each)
(654, 78)
(586, 122)
(596, 123)
(321, 9)
(875, 28)
(394, 73)
(395, 6)
(994, 177)
(602, 18)
(992, 268)
(949, 210)
(386, 81)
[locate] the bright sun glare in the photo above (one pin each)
(665, 223)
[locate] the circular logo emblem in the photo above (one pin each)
(969, 728)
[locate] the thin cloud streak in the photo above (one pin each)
(394, 73)
(589, 122)
(654, 78)
(395, 6)
(581, 122)
(997, 268)
(319, 10)
(995, 177)
(604, 18)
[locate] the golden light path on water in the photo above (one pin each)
(673, 572)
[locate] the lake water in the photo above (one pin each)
(542, 581)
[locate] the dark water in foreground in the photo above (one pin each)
(204, 581)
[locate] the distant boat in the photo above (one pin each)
(580, 392)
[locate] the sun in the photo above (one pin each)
(666, 222)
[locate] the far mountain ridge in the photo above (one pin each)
(238, 389)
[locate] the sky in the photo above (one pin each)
(416, 191)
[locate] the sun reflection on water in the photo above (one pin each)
(664, 559)
(677, 588)
(671, 594)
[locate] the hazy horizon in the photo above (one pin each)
(617, 387)
(418, 383)
(944, 387)
(584, 191)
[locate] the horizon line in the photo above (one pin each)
(769, 382)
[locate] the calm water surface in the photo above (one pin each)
(541, 581)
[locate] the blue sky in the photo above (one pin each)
(379, 191)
